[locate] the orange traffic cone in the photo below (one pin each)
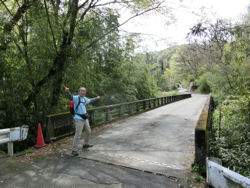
(39, 140)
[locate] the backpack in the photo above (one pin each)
(71, 106)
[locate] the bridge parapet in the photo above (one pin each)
(203, 129)
(61, 125)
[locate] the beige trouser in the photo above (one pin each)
(79, 125)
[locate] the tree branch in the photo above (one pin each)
(87, 9)
(15, 18)
(73, 21)
(53, 36)
(7, 8)
(8, 27)
(83, 4)
(126, 21)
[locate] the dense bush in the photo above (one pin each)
(232, 133)
(203, 85)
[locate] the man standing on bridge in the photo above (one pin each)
(80, 117)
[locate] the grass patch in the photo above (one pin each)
(188, 179)
(39, 157)
(29, 150)
(3, 154)
(198, 177)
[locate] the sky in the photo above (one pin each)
(159, 31)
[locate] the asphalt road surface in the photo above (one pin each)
(67, 171)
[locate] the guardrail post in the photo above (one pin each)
(10, 149)
(120, 111)
(144, 105)
(137, 107)
(49, 130)
(107, 115)
(92, 117)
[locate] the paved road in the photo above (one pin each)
(160, 141)
(75, 172)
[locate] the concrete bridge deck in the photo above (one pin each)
(157, 141)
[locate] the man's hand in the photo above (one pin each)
(66, 89)
(98, 97)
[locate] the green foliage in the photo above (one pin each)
(232, 130)
(218, 60)
(52, 44)
(164, 68)
(203, 85)
(198, 171)
(188, 179)
(198, 177)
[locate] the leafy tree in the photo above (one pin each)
(45, 44)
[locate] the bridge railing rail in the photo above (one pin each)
(61, 125)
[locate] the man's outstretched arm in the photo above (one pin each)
(69, 95)
(94, 99)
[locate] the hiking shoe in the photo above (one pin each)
(74, 153)
(85, 146)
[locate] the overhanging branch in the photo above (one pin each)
(126, 21)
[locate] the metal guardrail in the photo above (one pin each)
(221, 177)
(61, 125)
(13, 134)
